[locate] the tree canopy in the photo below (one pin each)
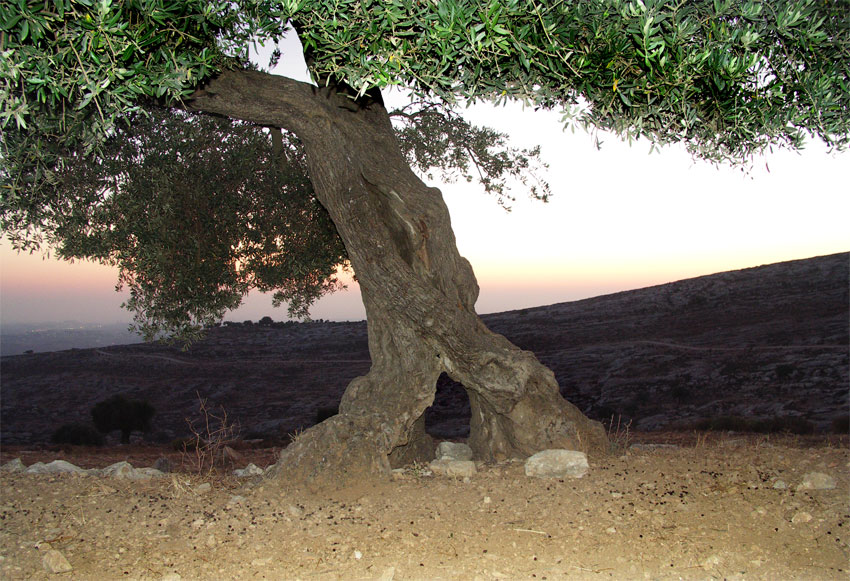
(728, 77)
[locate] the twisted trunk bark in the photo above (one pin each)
(419, 295)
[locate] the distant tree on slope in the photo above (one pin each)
(120, 413)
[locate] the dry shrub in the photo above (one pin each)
(209, 446)
(619, 433)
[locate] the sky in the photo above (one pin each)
(620, 218)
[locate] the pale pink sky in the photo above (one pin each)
(620, 218)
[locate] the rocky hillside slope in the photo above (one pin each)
(762, 343)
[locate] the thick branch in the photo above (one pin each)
(260, 98)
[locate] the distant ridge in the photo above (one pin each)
(759, 343)
(819, 287)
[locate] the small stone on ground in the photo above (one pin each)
(557, 464)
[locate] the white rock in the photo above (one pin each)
(12, 467)
(453, 468)
(249, 470)
(711, 562)
(55, 562)
(55, 467)
(150, 472)
(557, 464)
(122, 471)
(817, 481)
(453, 451)
(801, 518)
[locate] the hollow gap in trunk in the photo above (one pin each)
(448, 417)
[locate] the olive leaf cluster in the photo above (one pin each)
(195, 211)
(728, 77)
(71, 69)
(436, 139)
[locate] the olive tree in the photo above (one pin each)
(726, 77)
(120, 413)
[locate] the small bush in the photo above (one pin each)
(840, 425)
(681, 391)
(785, 371)
(77, 435)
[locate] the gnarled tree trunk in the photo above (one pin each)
(419, 295)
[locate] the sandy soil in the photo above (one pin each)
(719, 508)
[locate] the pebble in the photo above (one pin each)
(711, 562)
(55, 562)
(203, 488)
(557, 464)
(123, 471)
(453, 468)
(249, 470)
(13, 466)
(817, 481)
(801, 518)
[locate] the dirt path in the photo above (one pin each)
(267, 358)
(723, 510)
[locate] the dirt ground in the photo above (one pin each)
(712, 507)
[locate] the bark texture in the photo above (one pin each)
(419, 295)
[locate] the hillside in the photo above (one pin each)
(764, 342)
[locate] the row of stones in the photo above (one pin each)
(119, 470)
(455, 460)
